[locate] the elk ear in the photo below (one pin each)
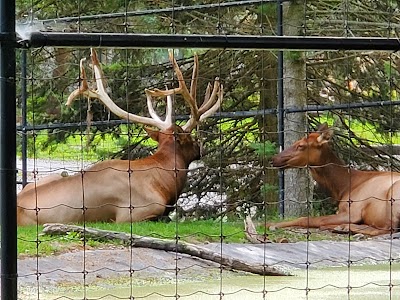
(183, 138)
(323, 127)
(153, 134)
(325, 136)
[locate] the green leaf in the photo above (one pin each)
(266, 149)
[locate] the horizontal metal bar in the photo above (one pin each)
(221, 115)
(344, 106)
(51, 126)
(119, 40)
(138, 13)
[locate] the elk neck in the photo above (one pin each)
(332, 174)
(172, 155)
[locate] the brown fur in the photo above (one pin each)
(44, 180)
(364, 197)
(115, 190)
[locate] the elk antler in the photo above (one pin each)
(102, 95)
(211, 102)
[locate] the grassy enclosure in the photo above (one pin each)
(32, 242)
(190, 231)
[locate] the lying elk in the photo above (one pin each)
(126, 190)
(368, 201)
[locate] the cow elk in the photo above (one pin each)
(126, 190)
(368, 201)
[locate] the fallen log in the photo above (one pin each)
(163, 244)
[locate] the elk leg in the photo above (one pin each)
(363, 229)
(317, 222)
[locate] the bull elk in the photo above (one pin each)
(126, 190)
(368, 201)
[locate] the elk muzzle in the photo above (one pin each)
(279, 161)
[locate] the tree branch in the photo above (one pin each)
(163, 244)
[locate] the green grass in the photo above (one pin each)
(192, 231)
(32, 242)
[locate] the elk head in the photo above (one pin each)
(307, 151)
(167, 129)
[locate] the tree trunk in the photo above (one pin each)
(298, 186)
(268, 124)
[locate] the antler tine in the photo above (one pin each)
(189, 97)
(150, 107)
(169, 110)
(209, 99)
(212, 102)
(159, 93)
(102, 95)
(84, 87)
(195, 76)
(210, 111)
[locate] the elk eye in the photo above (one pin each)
(301, 147)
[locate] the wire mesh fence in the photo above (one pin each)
(82, 160)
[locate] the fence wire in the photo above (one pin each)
(202, 252)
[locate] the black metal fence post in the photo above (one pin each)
(24, 141)
(8, 206)
(281, 111)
